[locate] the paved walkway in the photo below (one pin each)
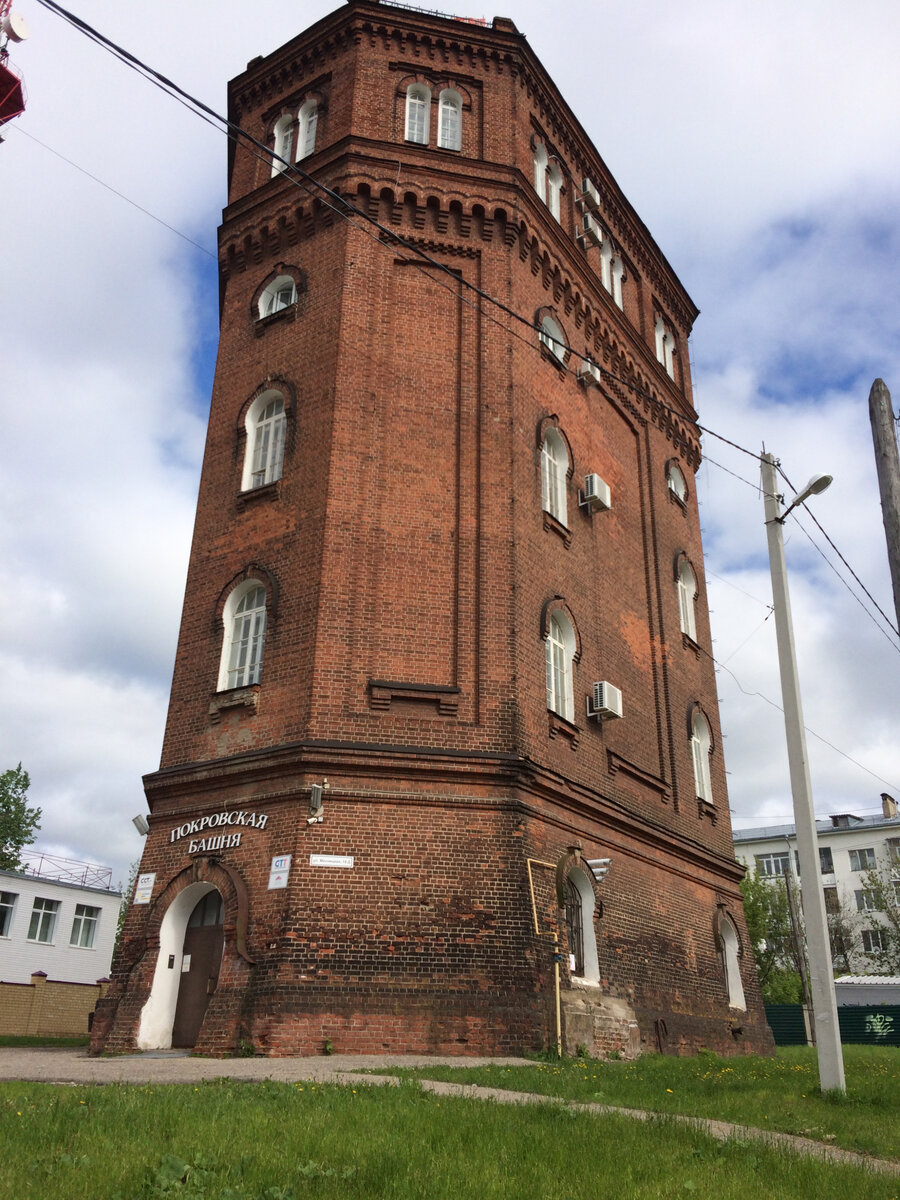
(161, 1066)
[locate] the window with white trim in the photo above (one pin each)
(701, 748)
(7, 908)
(731, 959)
(580, 931)
(559, 654)
(773, 865)
(244, 619)
(617, 270)
(553, 338)
(826, 860)
(554, 190)
(84, 926)
(418, 113)
(540, 171)
(874, 941)
(665, 346)
(279, 294)
(862, 860)
(284, 138)
(450, 120)
(866, 900)
(307, 120)
(687, 592)
(676, 482)
(554, 474)
(266, 424)
(43, 920)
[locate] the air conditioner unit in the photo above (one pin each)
(591, 230)
(590, 193)
(604, 702)
(596, 494)
(588, 371)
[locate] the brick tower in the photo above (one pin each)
(443, 744)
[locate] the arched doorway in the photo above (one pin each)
(201, 957)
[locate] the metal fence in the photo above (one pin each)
(864, 1024)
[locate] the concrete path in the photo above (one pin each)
(48, 1065)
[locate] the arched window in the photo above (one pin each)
(554, 189)
(687, 592)
(560, 653)
(580, 931)
(665, 346)
(617, 272)
(265, 425)
(731, 948)
(554, 473)
(418, 113)
(280, 293)
(307, 120)
(676, 482)
(701, 747)
(553, 338)
(540, 171)
(450, 120)
(284, 136)
(244, 638)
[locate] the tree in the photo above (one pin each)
(883, 886)
(769, 926)
(18, 822)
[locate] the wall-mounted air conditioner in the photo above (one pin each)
(591, 230)
(596, 494)
(588, 371)
(604, 702)
(590, 193)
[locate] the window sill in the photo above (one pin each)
(92, 949)
(383, 691)
(705, 809)
(689, 644)
(579, 981)
(265, 491)
(39, 942)
(561, 727)
(241, 697)
(554, 525)
(675, 499)
(288, 313)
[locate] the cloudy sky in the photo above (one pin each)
(757, 141)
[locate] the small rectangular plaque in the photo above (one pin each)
(279, 871)
(344, 861)
(144, 888)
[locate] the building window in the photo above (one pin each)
(832, 901)
(731, 948)
(279, 294)
(874, 941)
(581, 937)
(862, 860)
(307, 119)
(687, 594)
(554, 474)
(245, 636)
(676, 482)
(540, 171)
(617, 272)
(43, 920)
(418, 113)
(284, 138)
(7, 908)
(554, 190)
(266, 424)
(450, 120)
(701, 748)
(665, 347)
(826, 860)
(559, 649)
(553, 338)
(866, 900)
(84, 926)
(574, 929)
(773, 865)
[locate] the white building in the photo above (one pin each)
(849, 848)
(51, 923)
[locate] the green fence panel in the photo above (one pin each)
(871, 1024)
(786, 1023)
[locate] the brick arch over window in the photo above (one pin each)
(576, 896)
(552, 335)
(693, 710)
(676, 480)
(248, 414)
(688, 589)
(281, 271)
(730, 947)
(253, 571)
(552, 607)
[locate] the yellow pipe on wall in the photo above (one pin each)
(556, 951)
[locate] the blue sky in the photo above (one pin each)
(757, 142)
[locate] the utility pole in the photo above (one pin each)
(821, 979)
(881, 414)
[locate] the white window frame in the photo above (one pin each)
(84, 926)
(418, 113)
(866, 900)
(554, 190)
(701, 749)
(307, 120)
(665, 346)
(553, 338)
(244, 636)
(591, 963)
(44, 915)
(862, 859)
(540, 171)
(731, 947)
(278, 295)
(617, 271)
(826, 860)
(676, 482)
(450, 119)
(554, 474)
(873, 941)
(7, 912)
(687, 592)
(284, 138)
(773, 865)
(266, 427)
(559, 653)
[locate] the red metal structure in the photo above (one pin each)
(12, 93)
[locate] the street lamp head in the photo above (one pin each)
(817, 484)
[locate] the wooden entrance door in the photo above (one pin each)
(204, 941)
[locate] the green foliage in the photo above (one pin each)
(18, 822)
(127, 893)
(769, 926)
(783, 987)
(886, 897)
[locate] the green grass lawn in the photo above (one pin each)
(267, 1141)
(772, 1093)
